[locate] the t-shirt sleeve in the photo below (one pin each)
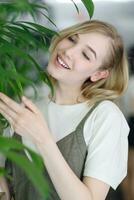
(108, 147)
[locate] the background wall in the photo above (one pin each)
(118, 12)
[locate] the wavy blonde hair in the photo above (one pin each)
(116, 62)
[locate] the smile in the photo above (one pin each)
(62, 63)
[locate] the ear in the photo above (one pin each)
(99, 75)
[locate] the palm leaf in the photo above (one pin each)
(89, 6)
(75, 6)
(11, 148)
(41, 28)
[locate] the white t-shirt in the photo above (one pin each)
(105, 133)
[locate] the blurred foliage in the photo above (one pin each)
(20, 41)
(11, 148)
(11, 9)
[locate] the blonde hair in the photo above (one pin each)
(116, 62)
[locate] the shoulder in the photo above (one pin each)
(109, 136)
(108, 109)
(108, 106)
(107, 117)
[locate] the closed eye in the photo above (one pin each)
(72, 39)
(85, 55)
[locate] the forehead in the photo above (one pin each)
(98, 42)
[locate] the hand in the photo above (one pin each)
(26, 120)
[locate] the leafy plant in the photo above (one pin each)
(19, 41)
(11, 148)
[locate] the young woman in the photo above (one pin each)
(80, 132)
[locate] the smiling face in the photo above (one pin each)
(79, 57)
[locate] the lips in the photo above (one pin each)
(61, 62)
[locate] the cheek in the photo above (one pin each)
(83, 66)
(59, 47)
(85, 70)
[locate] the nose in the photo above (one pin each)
(70, 51)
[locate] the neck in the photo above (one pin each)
(65, 95)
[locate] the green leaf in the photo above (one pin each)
(41, 28)
(15, 89)
(36, 159)
(13, 69)
(14, 8)
(19, 34)
(89, 6)
(48, 19)
(8, 144)
(2, 171)
(45, 78)
(75, 6)
(7, 47)
(31, 170)
(40, 6)
(34, 168)
(22, 34)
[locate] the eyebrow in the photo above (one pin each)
(89, 47)
(92, 50)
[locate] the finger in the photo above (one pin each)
(30, 105)
(10, 103)
(9, 119)
(22, 104)
(7, 111)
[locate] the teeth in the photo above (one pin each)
(62, 63)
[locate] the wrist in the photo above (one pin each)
(45, 145)
(45, 142)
